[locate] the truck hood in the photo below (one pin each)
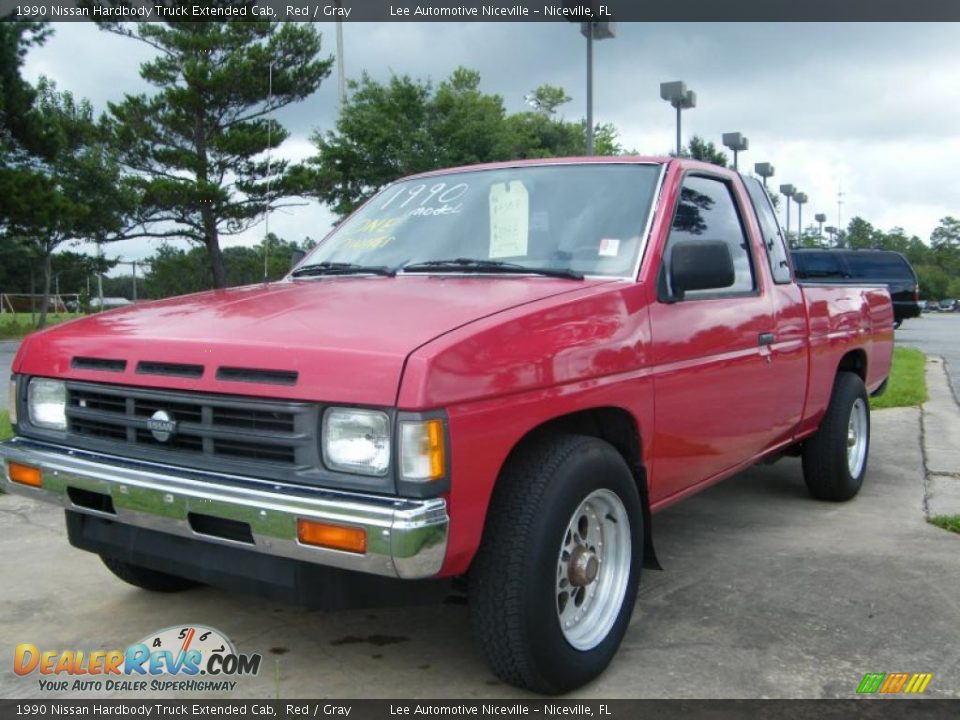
(334, 339)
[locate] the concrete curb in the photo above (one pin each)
(941, 443)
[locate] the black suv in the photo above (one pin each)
(858, 267)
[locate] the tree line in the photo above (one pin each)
(193, 159)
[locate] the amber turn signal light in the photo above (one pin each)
(335, 537)
(24, 474)
(422, 450)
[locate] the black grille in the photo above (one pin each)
(217, 431)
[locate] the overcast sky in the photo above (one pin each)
(872, 108)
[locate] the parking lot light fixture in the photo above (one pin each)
(832, 232)
(787, 191)
(799, 198)
(764, 170)
(679, 97)
(821, 218)
(593, 31)
(737, 143)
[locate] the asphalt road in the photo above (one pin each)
(936, 334)
(8, 348)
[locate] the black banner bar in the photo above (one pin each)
(484, 10)
(868, 709)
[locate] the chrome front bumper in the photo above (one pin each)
(405, 538)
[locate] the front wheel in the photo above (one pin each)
(835, 458)
(555, 580)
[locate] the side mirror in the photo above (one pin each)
(700, 265)
(296, 256)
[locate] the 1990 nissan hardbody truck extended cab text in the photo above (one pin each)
(492, 373)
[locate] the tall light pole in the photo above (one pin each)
(266, 218)
(799, 198)
(679, 97)
(832, 232)
(764, 170)
(788, 191)
(341, 80)
(737, 143)
(593, 31)
(840, 195)
(821, 218)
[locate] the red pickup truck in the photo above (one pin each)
(491, 373)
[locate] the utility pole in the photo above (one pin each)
(839, 207)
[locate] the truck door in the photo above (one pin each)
(713, 382)
(789, 357)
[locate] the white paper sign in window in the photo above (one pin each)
(509, 219)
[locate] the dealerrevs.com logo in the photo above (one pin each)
(183, 658)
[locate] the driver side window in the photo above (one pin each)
(707, 211)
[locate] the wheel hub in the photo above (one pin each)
(584, 567)
(593, 569)
(857, 434)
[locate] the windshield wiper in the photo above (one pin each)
(342, 268)
(471, 265)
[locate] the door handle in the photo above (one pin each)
(766, 338)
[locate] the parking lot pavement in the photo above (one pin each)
(8, 348)
(941, 443)
(766, 593)
(936, 334)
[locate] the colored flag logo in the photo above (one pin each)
(894, 683)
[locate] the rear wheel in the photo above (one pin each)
(835, 458)
(146, 578)
(554, 583)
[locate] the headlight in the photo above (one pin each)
(422, 450)
(12, 400)
(356, 441)
(47, 403)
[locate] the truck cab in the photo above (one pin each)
(496, 373)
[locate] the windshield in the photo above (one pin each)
(588, 218)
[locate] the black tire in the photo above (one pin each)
(146, 578)
(896, 324)
(825, 460)
(513, 591)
